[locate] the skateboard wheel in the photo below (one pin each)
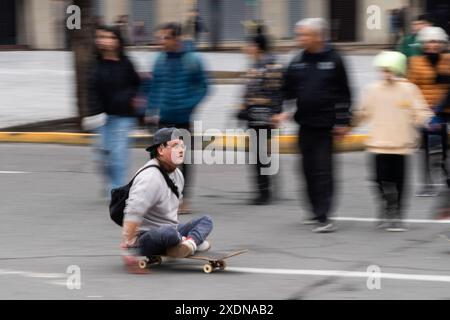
(207, 268)
(222, 265)
(158, 261)
(142, 264)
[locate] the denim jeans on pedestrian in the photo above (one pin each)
(113, 149)
(156, 241)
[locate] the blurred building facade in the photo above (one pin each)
(40, 24)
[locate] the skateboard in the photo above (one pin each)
(214, 259)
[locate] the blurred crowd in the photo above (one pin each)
(409, 106)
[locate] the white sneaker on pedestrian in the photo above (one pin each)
(204, 246)
(325, 227)
(396, 226)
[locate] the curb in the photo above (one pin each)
(287, 143)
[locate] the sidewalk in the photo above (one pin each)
(287, 143)
(39, 86)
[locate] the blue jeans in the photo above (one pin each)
(156, 241)
(113, 148)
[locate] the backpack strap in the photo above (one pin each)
(169, 181)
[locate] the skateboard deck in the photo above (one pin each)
(214, 259)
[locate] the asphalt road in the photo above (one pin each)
(53, 217)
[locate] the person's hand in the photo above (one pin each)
(138, 102)
(128, 248)
(151, 120)
(435, 124)
(93, 122)
(145, 75)
(341, 132)
(277, 119)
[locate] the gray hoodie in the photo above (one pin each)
(151, 202)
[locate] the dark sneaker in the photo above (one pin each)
(325, 227)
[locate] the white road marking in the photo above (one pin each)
(59, 282)
(7, 172)
(342, 273)
(405, 220)
(29, 274)
(44, 275)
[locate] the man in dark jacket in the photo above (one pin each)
(317, 79)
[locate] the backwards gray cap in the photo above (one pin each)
(164, 135)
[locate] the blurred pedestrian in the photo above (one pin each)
(193, 28)
(394, 26)
(139, 33)
(428, 71)
(394, 110)
(178, 85)
(443, 206)
(409, 44)
(262, 99)
(123, 26)
(317, 79)
(113, 90)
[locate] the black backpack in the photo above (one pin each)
(120, 195)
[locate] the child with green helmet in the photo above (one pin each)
(394, 110)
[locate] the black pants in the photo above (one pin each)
(443, 137)
(316, 146)
(390, 175)
(186, 169)
(262, 180)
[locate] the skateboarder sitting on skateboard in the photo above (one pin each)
(150, 223)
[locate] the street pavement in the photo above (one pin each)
(53, 217)
(39, 86)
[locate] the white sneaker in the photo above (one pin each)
(325, 227)
(204, 246)
(396, 226)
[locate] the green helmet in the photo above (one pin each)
(392, 60)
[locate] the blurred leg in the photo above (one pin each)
(317, 154)
(157, 240)
(119, 156)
